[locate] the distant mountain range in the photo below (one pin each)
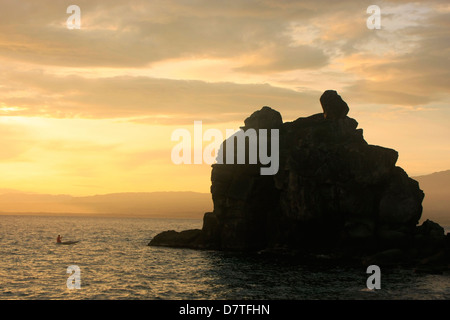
(185, 204)
(141, 204)
(436, 205)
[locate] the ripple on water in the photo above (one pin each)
(116, 263)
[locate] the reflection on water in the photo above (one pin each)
(116, 263)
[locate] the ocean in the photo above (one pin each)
(114, 262)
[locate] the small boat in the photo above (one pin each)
(67, 242)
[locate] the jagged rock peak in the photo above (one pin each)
(266, 118)
(333, 106)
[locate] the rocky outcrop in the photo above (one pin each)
(184, 239)
(333, 193)
(333, 106)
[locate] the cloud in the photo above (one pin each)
(146, 99)
(283, 59)
(406, 62)
(138, 33)
(386, 93)
(417, 75)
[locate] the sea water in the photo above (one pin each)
(114, 262)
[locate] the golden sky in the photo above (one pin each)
(91, 110)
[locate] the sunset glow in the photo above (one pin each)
(91, 111)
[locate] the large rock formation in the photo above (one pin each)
(333, 193)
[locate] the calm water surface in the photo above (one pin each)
(116, 263)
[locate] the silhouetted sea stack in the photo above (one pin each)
(334, 195)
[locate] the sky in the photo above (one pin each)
(92, 110)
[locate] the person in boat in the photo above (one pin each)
(59, 239)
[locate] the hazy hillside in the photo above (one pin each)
(187, 204)
(436, 205)
(155, 204)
